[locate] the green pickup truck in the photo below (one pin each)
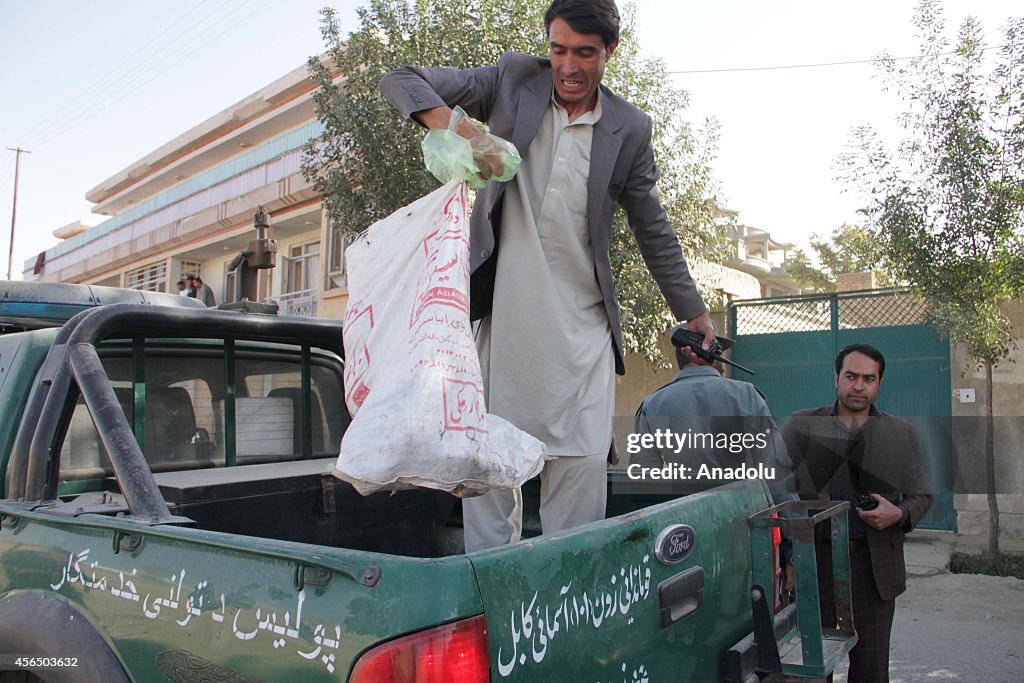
(168, 515)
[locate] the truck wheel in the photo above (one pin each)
(42, 626)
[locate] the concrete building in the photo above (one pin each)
(187, 207)
(755, 253)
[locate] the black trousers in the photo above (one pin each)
(872, 616)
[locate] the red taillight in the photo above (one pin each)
(778, 577)
(453, 652)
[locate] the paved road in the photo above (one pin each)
(958, 627)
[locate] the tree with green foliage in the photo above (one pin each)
(947, 205)
(368, 162)
(849, 249)
(801, 270)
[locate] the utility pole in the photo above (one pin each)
(14, 206)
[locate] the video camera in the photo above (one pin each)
(865, 501)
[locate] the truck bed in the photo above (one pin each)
(301, 501)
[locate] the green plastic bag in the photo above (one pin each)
(451, 156)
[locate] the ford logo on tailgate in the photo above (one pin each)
(675, 543)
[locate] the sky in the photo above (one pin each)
(90, 88)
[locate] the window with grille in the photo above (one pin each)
(186, 268)
(151, 278)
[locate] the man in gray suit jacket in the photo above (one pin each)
(550, 339)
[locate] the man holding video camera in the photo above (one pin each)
(852, 451)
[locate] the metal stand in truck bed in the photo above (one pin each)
(793, 646)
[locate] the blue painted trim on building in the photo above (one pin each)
(263, 154)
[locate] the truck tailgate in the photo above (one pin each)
(600, 603)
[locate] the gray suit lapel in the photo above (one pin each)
(604, 152)
(529, 114)
(531, 109)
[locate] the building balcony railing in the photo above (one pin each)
(758, 262)
(267, 164)
(301, 303)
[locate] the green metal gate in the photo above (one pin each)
(792, 342)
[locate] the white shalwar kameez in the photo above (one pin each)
(546, 350)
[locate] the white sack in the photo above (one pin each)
(412, 374)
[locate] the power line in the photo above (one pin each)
(100, 98)
(826, 64)
(138, 81)
(73, 102)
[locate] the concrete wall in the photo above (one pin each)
(856, 282)
(1008, 406)
(641, 378)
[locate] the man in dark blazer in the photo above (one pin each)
(845, 451)
(611, 162)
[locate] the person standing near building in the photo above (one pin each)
(550, 340)
(852, 451)
(204, 293)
